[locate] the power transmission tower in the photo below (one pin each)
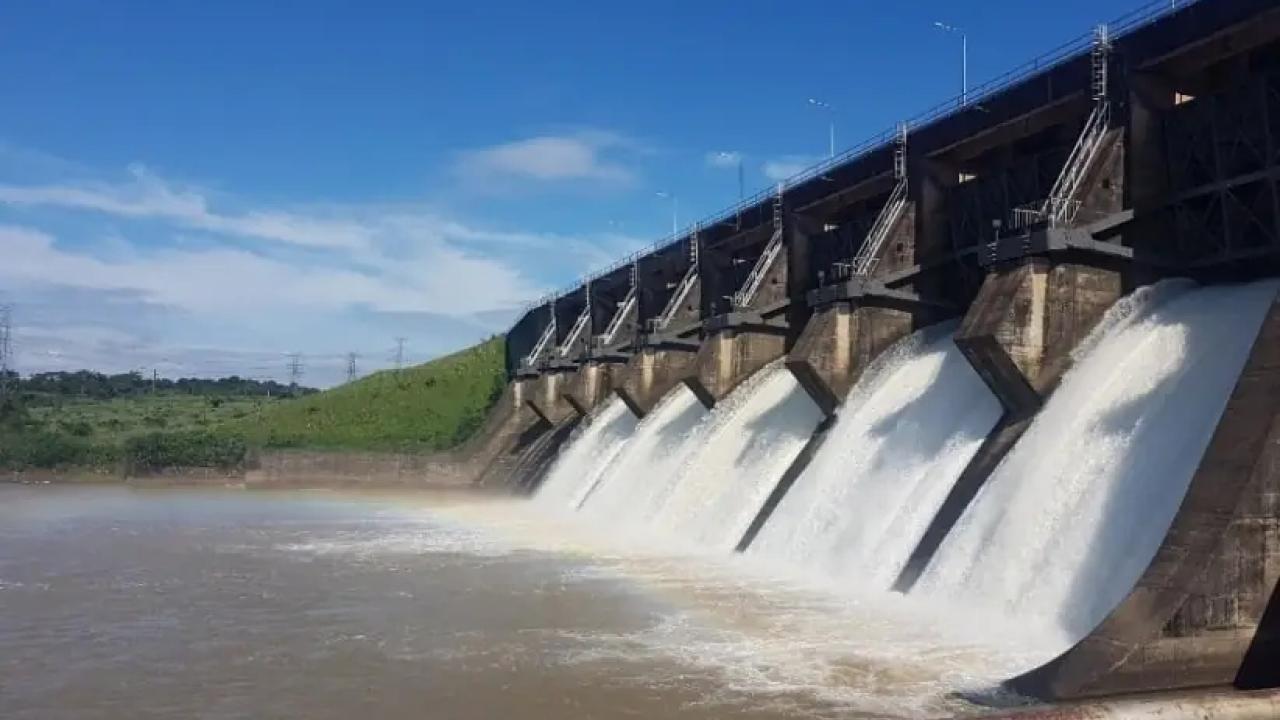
(400, 352)
(6, 347)
(295, 371)
(351, 366)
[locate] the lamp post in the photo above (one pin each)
(831, 125)
(675, 209)
(964, 58)
(736, 158)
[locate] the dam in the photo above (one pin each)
(1017, 357)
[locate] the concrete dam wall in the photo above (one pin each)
(1020, 356)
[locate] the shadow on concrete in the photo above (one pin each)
(1261, 667)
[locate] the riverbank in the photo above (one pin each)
(283, 469)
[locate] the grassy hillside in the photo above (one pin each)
(423, 408)
(420, 409)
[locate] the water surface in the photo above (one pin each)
(230, 604)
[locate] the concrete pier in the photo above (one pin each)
(651, 373)
(546, 395)
(838, 343)
(588, 386)
(670, 324)
(1026, 320)
(754, 320)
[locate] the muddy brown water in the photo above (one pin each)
(120, 603)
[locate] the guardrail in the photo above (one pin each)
(1077, 47)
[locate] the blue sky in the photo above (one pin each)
(203, 187)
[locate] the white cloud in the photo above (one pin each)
(552, 158)
(786, 167)
(437, 279)
(724, 159)
(184, 270)
(147, 196)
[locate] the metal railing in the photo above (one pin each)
(677, 299)
(869, 254)
(544, 341)
(575, 332)
(619, 316)
(1059, 208)
(1138, 18)
(755, 278)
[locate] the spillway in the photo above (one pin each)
(750, 440)
(700, 477)
(1071, 518)
(588, 455)
(635, 483)
(899, 443)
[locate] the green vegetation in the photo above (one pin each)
(118, 423)
(419, 409)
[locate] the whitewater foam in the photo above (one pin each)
(587, 455)
(635, 483)
(749, 441)
(1071, 518)
(899, 443)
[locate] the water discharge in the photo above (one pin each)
(700, 477)
(747, 443)
(632, 488)
(1071, 518)
(901, 440)
(588, 455)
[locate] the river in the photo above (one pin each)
(120, 603)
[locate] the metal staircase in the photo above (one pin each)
(682, 289)
(544, 341)
(1060, 208)
(579, 326)
(864, 262)
(619, 316)
(747, 292)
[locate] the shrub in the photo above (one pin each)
(156, 451)
(53, 450)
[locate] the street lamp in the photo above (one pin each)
(734, 157)
(964, 58)
(675, 208)
(831, 125)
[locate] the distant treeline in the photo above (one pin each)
(99, 386)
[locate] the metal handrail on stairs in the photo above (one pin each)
(1062, 205)
(755, 278)
(543, 342)
(620, 315)
(865, 261)
(677, 298)
(575, 332)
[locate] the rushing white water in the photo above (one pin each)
(633, 485)
(899, 443)
(746, 445)
(588, 455)
(1071, 518)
